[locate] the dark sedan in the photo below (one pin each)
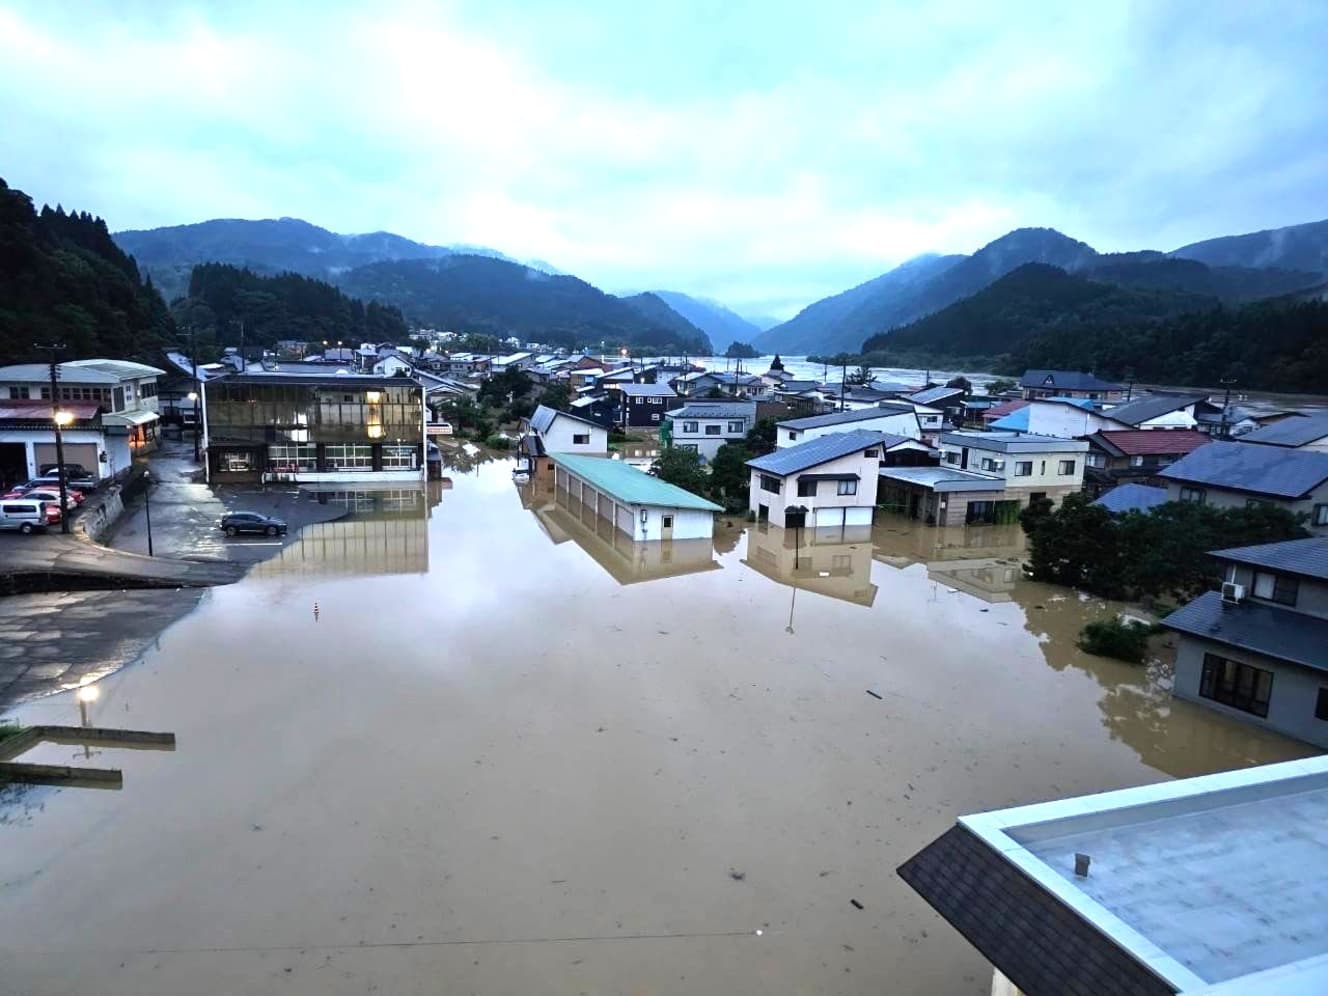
(234, 523)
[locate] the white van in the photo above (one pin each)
(24, 514)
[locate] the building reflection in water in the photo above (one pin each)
(833, 562)
(385, 531)
(563, 518)
(982, 560)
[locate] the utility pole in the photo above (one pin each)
(53, 350)
(843, 380)
(198, 395)
(1226, 382)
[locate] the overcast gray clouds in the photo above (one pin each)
(762, 154)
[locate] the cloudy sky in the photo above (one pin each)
(764, 154)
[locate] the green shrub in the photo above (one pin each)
(1125, 641)
(498, 443)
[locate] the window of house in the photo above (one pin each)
(872, 454)
(654, 416)
(848, 487)
(689, 427)
(349, 456)
(1238, 685)
(1321, 704)
(1043, 470)
(689, 447)
(951, 457)
(806, 489)
(1196, 495)
(18, 391)
(771, 484)
(400, 457)
(581, 439)
(793, 434)
(841, 563)
(736, 426)
(1255, 503)
(1066, 468)
(1096, 460)
(667, 521)
(1321, 515)
(712, 430)
(1024, 468)
(1276, 587)
(288, 458)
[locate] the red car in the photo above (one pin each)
(35, 488)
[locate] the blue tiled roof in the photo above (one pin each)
(543, 418)
(1264, 629)
(1132, 498)
(1249, 467)
(792, 459)
(1016, 421)
(714, 409)
(1306, 557)
(1140, 410)
(1290, 431)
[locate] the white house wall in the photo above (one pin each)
(1065, 421)
(115, 447)
(1046, 466)
(559, 438)
(826, 497)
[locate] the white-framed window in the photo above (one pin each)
(349, 456)
(400, 457)
(712, 430)
(654, 416)
(771, 484)
(290, 458)
(1321, 515)
(689, 427)
(1196, 495)
(737, 426)
(581, 439)
(848, 487)
(18, 391)
(1096, 460)
(1066, 468)
(793, 434)
(1023, 468)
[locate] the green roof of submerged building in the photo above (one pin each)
(630, 486)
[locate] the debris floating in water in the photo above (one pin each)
(875, 695)
(856, 903)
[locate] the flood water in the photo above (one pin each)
(512, 754)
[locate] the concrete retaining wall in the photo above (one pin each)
(94, 522)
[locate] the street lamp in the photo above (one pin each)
(198, 422)
(147, 505)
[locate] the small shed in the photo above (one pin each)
(640, 505)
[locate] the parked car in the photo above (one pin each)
(71, 470)
(52, 497)
(20, 490)
(86, 482)
(27, 515)
(234, 523)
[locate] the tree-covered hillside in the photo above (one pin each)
(287, 306)
(480, 294)
(64, 280)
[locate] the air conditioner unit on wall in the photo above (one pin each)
(1232, 593)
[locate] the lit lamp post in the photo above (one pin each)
(193, 396)
(147, 505)
(62, 419)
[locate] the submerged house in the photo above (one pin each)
(1117, 455)
(1235, 474)
(830, 481)
(1211, 885)
(641, 506)
(549, 431)
(703, 425)
(1258, 649)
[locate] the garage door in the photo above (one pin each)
(829, 517)
(80, 453)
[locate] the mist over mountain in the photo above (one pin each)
(1295, 247)
(718, 322)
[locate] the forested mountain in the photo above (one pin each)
(1296, 247)
(480, 294)
(654, 309)
(275, 245)
(63, 279)
(841, 322)
(1042, 317)
(287, 306)
(1244, 268)
(1033, 298)
(718, 322)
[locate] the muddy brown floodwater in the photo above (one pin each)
(511, 754)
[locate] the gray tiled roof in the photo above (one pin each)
(1307, 557)
(1037, 942)
(543, 418)
(1249, 467)
(812, 453)
(648, 391)
(716, 409)
(1290, 431)
(1014, 442)
(1066, 380)
(934, 394)
(1132, 498)
(841, 418)
(1140, 410)
(1264, 629)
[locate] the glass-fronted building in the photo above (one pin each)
(309, 426)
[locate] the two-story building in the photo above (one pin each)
(985, 477)
(295, 422)
(1162, 410)
(1235, 474)
(829, 481)
(643, 406)
(897, 419)
(27, 440)
(126, 393)
(1068, 418)
(703, 425)
(1302, 432)
(1119, 455)
(1068, 384)
(1257, 649)
(549, 431)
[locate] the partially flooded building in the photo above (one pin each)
(302, 423)
(644, 508)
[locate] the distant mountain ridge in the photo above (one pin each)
(1236, 269)
(271, 246)
(718, 322)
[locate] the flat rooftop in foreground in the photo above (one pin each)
(1205, 881)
